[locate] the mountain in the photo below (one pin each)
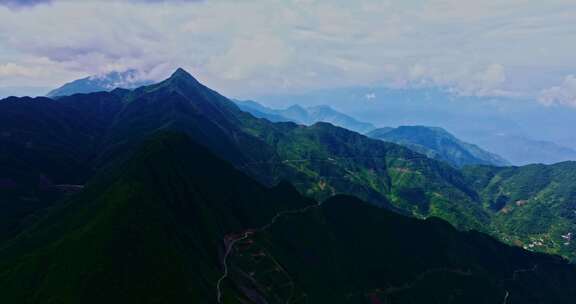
(128, 79)
(46, 148)
(176, 224)
(49, 148)
(523, 150)
(534, 205)
(437, 143)
(148, 231)
(321, 160)
(327, 114)
(260, 111)
(305, 116)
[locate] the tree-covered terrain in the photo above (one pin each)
(533, 206)
(176, 224)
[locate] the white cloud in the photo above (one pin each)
(564, 94)
(262, 46)
(248, 56)
(13, 70)
(466, 79)
(493, 76)
(20, 4)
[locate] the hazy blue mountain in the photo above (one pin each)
(327, 114)
(127, 80)
(522, 150)
(439, 144)
(260, 111)
(305, 115)
(490, 122)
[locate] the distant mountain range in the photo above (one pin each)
(305, 116)
(107, 82)
(522, 150)
(434, 142)
(521, 131)
(437, 143)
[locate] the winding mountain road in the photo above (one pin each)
(244, 235)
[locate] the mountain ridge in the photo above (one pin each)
(305, 116)
(87, 133)
(439, 144)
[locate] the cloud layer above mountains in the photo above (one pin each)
(495, 48)
(22, 3)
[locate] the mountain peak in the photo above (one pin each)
(181, 74)
(181, 78)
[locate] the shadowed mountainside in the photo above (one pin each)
(155, 229)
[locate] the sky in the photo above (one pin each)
(512, 48)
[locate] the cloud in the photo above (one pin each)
(14, 70)
(247, 48)
(370, 96)
(466, 79)
(247, 56)
(30, 3)
(564, 94)
(16, 4)
(165, 1)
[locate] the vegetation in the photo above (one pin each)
(533, 206)
(155, 229)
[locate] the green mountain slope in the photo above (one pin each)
(155, 230)
(350, 252)
(534, 206)
(45, 151)
(438, 144)
(148, 233)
